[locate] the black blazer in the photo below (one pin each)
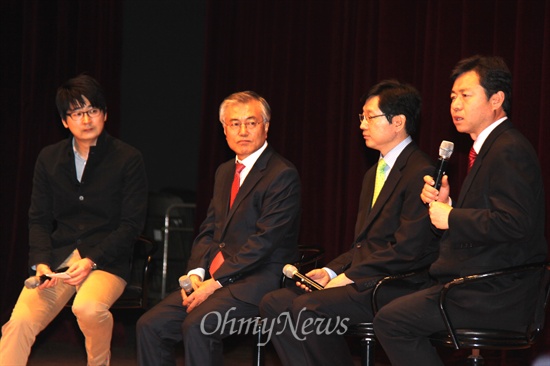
(497, 221)
(259, 234)
(101, 216)
(394, 236)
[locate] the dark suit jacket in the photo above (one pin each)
(394, 236)
(101, 216)
(497, 221)
(259, 234)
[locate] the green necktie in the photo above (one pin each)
(380, 179)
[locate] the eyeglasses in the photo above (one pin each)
(77, 115)
(236, 125)
(368, 119)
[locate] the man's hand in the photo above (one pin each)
(429, 194)
(318, 275)
(42, 269)
(204, 290)
(78, 271)
(439, 215)
(338, 281)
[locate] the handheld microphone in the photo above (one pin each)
(292, 272)
(35, 281)
(445, 151)
(185, 284)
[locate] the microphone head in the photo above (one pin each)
(32, 282)
(289, 270)
(185, 283)
(446, 149)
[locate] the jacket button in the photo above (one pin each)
(81, 198)
(358, 245)
(222, 245)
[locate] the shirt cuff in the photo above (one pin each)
(197, 271)
(330, 272)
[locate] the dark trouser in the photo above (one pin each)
(318, 319)
(404, 325)
(202, 330)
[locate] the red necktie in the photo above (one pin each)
(236, 182)
(216, 263)
(218, 259)
(471, 158)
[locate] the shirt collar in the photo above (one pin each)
(478, 143)
(250, 160)
(394, 153)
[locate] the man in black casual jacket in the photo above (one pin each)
(88, 206)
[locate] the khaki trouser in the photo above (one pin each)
(35, 309)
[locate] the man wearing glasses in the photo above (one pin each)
(249, 234)
(88, 206)
(392, 236)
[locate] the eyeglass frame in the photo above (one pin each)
(236, 126)
(368, 119)
(93, 109)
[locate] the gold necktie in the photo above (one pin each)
(380, 179)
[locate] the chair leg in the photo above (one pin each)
(475, 359)
(367, 351)
(259, 355)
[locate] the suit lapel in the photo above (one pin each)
(253, 177)
(393, 179)
(389, 186)
(479, 159)
(365, 203)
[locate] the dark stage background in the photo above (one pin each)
(166, 65)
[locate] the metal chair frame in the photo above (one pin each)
(494, 339)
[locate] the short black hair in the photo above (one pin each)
(494, 76)
(397, 98)
(71, 94)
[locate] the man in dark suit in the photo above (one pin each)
(392, 235)
(496, 222)
(243, 244)
(88, 205)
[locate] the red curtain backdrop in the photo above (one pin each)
(313, 60)
(43, 43)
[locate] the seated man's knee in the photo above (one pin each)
(276, 302)
(382, 321)
(268, 305)
(90, 311)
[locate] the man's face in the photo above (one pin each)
(84, 128)
(378, 133)
(471, 111)
(244, 140)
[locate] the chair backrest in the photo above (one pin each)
(309, 257)
(136, 293)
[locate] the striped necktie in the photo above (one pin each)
(471, 158)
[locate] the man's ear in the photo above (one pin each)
(64, 123)
(399, 121)
(497, 99)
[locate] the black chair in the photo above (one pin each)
(493, 339)
(365, 331)
(136, 293)
(309, 259)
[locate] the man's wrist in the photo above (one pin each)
(93, 265)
